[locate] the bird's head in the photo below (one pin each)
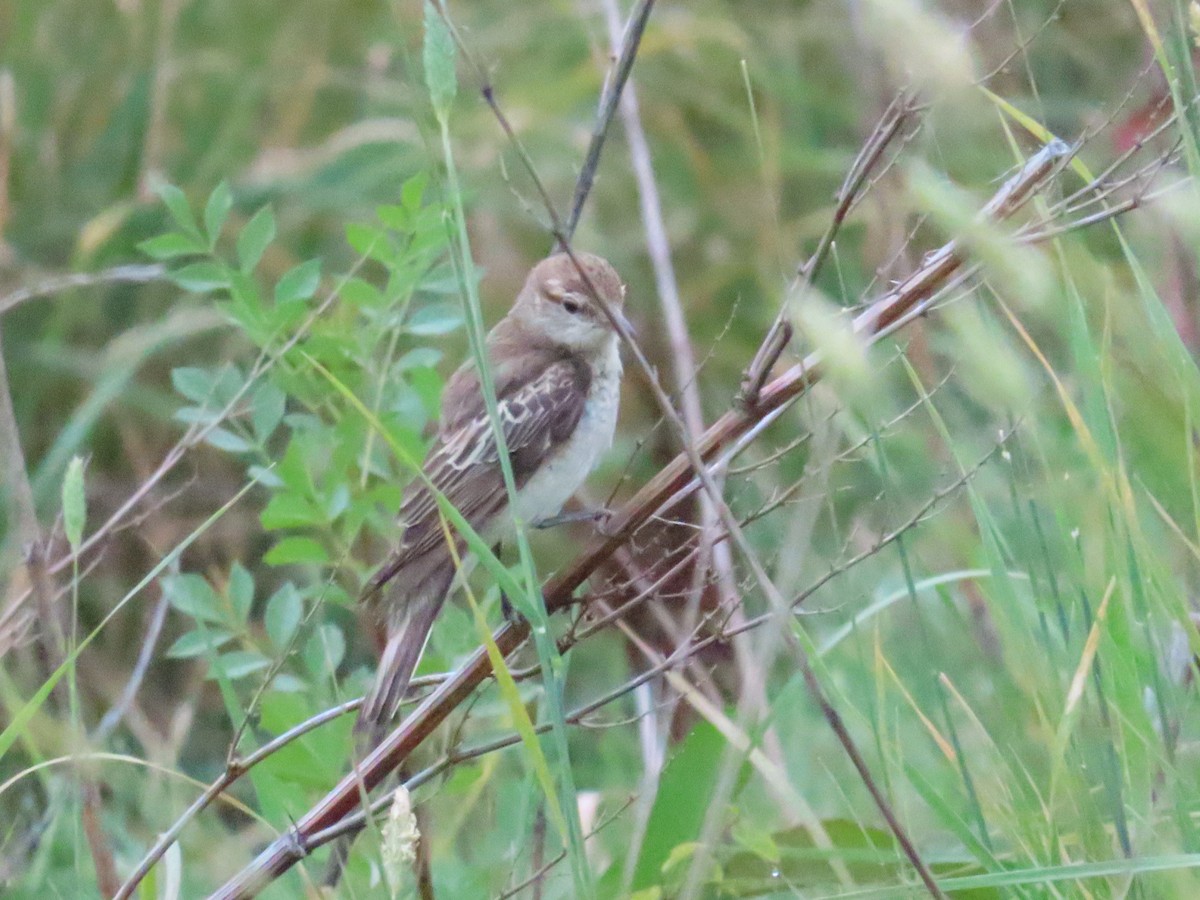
(558, 305)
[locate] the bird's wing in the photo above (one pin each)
(538, 411)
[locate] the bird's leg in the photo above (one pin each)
(597, 516)
(510, 615)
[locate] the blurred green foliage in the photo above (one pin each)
(1016, 665)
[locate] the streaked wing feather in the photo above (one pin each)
(537, 415)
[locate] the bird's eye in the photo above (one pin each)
(572, 307)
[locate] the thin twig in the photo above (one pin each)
(682, 356)
(889, 127)
(286, 850)
(613, 91)
(540, 871)
(235, 768)
(131, 274)
(117, 711)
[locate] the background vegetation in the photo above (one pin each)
(228, 303)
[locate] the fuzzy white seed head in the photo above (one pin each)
(400, 836)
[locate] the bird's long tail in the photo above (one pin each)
(413, 615)
(407, 635)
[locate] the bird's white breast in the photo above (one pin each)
(560, 476)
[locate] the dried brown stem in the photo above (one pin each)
(98, 845)
(609, 101)
(53, 643)
(899, 112)
(235, 768)
(558, 593)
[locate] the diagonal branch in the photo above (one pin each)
(609, 102)
(898, 114)
(725, 434)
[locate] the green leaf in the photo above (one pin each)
(195, 384)
(177, 205)
(361, 293)
(241, 591)
(288, 683)
(193, 595)
(440, 77)
(296, 466)
(228, 383)
(414, 191)
(265, 476)
(435, 319)
(287, 317)
(282, 618)
(220, 201)
(74, 503)
(290, 511)
(427, 384)
(171, 245)
(366, 240)
(337, 502)
(238, 664)
(201, 277)
(254, 238)
(445, 281)
(299, 283)
(197, 643)
(419, 358)
(682, 803)
(267, 410)
(224, 439)
(196, 415)
(292, 550)
(312, 760)
(393, 216)
(243, 289)
(325, 649)
(756, 838)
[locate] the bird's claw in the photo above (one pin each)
(598, 517)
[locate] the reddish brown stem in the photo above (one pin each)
(880, 318)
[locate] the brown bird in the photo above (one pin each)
(556, 369)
